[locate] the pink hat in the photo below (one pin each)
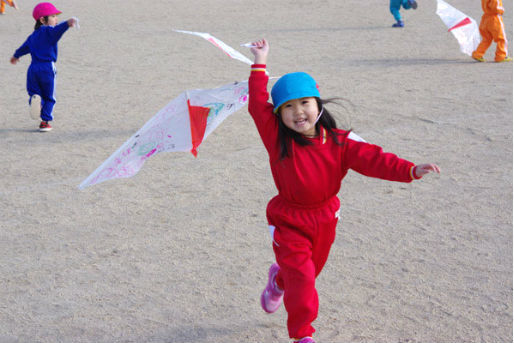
(44, 9)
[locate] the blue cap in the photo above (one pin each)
(293, 86)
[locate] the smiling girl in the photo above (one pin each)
(309, 157)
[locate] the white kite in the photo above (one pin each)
(231, 52)
(463, 27)
(180, 126)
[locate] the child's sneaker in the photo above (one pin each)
(399, 24)
(413, 4)
(506, 59)
(271, 297)
(45, 126)
(479, 59)
(35, 107)
(305, 340)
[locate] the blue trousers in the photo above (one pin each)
(395, 5)
(41, 81)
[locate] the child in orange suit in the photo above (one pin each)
(11, 3)
(491, 28)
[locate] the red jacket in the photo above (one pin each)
(312, 174)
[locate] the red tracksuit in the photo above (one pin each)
(305, 211)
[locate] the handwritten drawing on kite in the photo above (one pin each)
(181, 125)
(463, 27)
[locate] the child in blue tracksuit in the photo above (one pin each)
(42, 46)
(394, 7)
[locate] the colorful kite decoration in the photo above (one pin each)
(231, 52)
(463, 27)
(181, 125)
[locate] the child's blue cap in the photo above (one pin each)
(293, 86)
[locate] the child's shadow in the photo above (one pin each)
(392, 62)
(65, 136)
(332, 29)
(4, 131)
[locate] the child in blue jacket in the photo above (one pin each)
(394, 7)
(42, 46)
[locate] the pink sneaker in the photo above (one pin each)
(271, 297)
(306, 340)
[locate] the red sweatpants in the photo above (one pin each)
(302, 241)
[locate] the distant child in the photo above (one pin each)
(394, 7)
(491, 28)
(11, 3)
(42, 46)
(309, 157)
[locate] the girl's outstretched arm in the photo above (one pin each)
(422, 169)
(55, 32)
(21, 51)
(260, 50)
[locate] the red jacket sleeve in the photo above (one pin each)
(259, 107)
(369, 160)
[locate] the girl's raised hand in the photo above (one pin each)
(14, 60)
(73, 22)
(260, 50)
(422, 169)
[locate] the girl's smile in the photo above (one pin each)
(300, 115)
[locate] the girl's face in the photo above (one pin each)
(300, 115)
(52, 20)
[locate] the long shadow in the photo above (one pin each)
(4, 131)
(391, 62)
(58, 136)
(333, 29)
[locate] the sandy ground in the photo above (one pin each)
(180, 252)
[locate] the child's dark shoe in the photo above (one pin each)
(399, 24)
(45, 126)
(413, 4)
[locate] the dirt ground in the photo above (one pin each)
(180, 252)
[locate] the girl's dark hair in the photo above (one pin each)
(286, 135)
(39, 24)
